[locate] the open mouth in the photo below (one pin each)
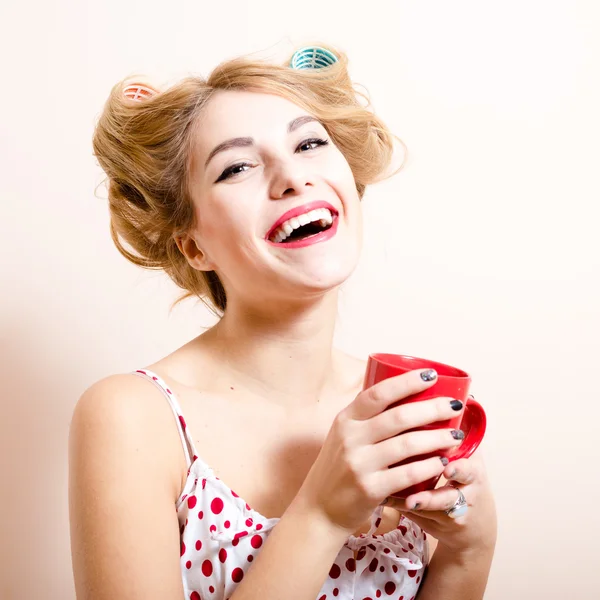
(303, 226)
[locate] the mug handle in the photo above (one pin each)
(474, 424)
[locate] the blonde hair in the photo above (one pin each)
(145, 149)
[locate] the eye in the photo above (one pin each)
(233, 170)
(314, 142)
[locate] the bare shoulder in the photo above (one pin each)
(128, 411)
(354, 369)
(124, 458)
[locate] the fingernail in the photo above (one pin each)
(456, 404)
(428, 375)
(457, 434)
(416, 506)
(444, 460)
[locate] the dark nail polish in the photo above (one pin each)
(428, 375)
(457, 434)
(444, 460)
(456, 404)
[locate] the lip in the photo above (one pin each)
(313, 239)
(300, 210)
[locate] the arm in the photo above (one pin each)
(456, 576)
(122, 490)
(303, 546)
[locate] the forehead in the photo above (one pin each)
(236, 113)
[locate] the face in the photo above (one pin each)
(277, 211)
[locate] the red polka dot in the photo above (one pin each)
(211, 589)
(182, 549)
(227, 524)
(418, 579)
(234, 494)
(222, 555)
(235, 542)
(203, 483)
(192, 501)
(386, 550)
(351, 564)
(323, 597)
(216, 506)
(377, 523)
(411, 546)
(248, 506)
(403, 529)
(198, 545)
(188, 564)
(361, 553)
(382, 569)
(390, 588)
(240, 534)
(195, 596)
(394, 568)
(250, 558)
(368, 598)
(237, 575)
(182, 421)
(373, 565)
(335, 572)
(207, 568)
(411, 573)
(249, 522)
(335, 591)
(378, 593)
(256, 541)
(258, 527)
(213, 528)
(201, 514)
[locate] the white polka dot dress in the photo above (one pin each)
(221, 535)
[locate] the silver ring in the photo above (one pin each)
(460, 507)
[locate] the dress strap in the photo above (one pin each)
(186, 438)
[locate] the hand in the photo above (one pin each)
(350, 476)
(476, 530)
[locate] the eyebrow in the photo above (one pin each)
(243, 142)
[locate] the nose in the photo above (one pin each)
(290, 178)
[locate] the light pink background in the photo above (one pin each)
(483, 253)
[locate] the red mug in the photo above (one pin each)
(452, 383)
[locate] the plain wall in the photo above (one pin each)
(483, 252)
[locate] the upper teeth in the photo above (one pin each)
(322, 215)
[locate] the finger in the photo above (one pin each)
(378, 397)
(414, 443)
(405, 476)
(461, 471)
(440, 499)
(410, 416)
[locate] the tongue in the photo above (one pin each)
(305, 231)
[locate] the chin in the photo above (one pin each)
(329, 273)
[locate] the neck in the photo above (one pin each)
(285, 354)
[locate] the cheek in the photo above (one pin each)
(225, 236)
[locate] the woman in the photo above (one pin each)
(246, 188)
